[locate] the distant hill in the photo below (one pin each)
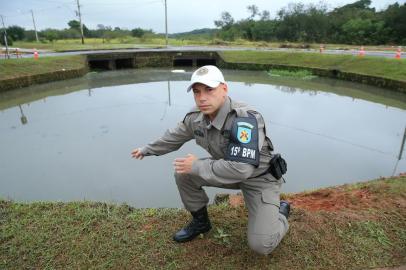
(197, 33)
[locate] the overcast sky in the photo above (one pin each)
(183, 15)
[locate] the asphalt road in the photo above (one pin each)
(29, 52)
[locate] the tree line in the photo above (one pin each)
(17, 33)
(355, 23)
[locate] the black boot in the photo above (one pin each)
(199, 224)
(284, 208)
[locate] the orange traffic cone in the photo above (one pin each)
(361, 52)
(36, 55)
(398, 53)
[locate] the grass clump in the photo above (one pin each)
(301, 73)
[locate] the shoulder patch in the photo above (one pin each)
(243, 146)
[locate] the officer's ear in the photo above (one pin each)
(224, 87)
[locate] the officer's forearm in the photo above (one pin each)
(172, 140)
(221, 169)
(160, 147)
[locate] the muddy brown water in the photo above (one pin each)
(72, 140)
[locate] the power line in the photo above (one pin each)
(23, 13)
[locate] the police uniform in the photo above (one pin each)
(240, 154)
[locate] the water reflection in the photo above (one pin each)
(402, 147)
(23, 118)
(77, 134)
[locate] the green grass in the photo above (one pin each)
(84, 235)
(374, 66)
(14, 68)
(154, 41)
(92, 44)
(102, 44)
(303, 74)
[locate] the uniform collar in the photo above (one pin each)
(221, 116)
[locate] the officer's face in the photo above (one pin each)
(208, 99)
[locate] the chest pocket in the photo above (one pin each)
(201, 138)
(224, 140)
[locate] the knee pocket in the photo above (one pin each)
(270, 196)
(263, 244)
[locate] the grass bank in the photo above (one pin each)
(16, 73)
(365, 228)
(92, 44)
(145, 42)
(378, 71)
(394, 69)
(15, 68)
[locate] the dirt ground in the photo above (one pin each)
(334, 199)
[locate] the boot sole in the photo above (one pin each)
(190, 238)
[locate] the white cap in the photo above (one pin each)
(207, 75)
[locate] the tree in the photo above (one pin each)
(394, 18)
(137, 32)
(102, 27)
(9, 39)
(361, 4)
(74, 24)
(50, 34)
(29, 35)
(265, 15)
(253, 10)
(264, 30)
(16, 32)
(226, 20)
(303, 23)
(341, 15)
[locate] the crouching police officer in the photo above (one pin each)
(234, 135)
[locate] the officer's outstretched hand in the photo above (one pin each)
(136, 153)
(184, 165)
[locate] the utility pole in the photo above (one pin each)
(166, 25)
(35, 27)
(80, 21)
(5, 37)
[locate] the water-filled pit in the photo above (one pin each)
(71, 140)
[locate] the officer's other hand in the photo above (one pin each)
(184, 165)
(136, 153)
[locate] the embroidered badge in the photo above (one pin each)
(244, 132)
(243, 146)
(202, 71)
